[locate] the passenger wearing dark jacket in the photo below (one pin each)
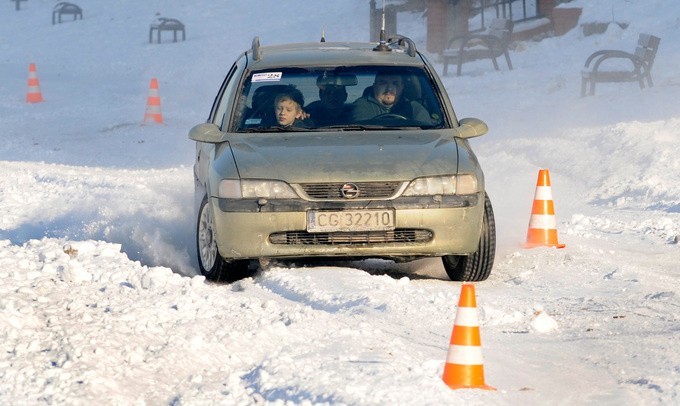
(330, 109)
(288, 109)
(386, 98)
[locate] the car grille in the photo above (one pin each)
(369, 190)
(351, 238)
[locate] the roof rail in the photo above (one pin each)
(403, 43)
(257, 53)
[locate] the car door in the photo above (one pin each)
(221, 113)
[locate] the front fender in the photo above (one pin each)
(222, 166)
(468, 162)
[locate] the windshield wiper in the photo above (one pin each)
(355, 127)
(259, 130)
(276, 129)
(343, 127)
(373, 127)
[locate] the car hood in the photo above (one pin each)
(345, 156)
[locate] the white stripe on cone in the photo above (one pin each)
(543, 221)
(467, 316)
(465, 355)
(543, 193)
(153, 110)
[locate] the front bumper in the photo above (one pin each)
(444, 225)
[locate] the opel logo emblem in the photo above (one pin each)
(349, 191)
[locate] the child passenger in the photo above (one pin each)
(288, 109)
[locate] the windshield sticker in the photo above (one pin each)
(267, 77)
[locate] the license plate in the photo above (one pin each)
(350, 220)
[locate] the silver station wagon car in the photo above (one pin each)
(339, 150)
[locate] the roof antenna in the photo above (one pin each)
(257, 52)
(382, 46)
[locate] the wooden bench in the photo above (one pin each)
(17, 4)
(489, 44)
(622, 66)
(63, 8)
(167, 24)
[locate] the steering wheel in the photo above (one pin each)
(389, 115)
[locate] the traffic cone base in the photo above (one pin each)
(542, 224)
(464, 367)
(466, 376)
(34, 95)
(542, 238)
(153, 104)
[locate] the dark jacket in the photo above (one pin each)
(298, 123)
(322, 117)
(367, 107)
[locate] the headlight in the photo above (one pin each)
(253, 189)
(467, 184)
(442, 185)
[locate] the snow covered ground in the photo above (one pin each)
(100, 301)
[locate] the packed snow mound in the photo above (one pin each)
(642, 169)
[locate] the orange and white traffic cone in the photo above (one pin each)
(34, 95)
(542, 224)
(153, 104)
(464, 367)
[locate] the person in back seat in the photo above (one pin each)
(331, 109)
(386, 98)
(262, 113)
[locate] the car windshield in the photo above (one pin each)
(338, 99)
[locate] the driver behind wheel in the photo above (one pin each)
(386, 97)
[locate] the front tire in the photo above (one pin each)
(210, 261)
(476, 266)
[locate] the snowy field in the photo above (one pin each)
(100, 301)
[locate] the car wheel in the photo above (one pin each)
(476, 266)
(210, 262)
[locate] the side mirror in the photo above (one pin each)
(207, 132)
(471, 127)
